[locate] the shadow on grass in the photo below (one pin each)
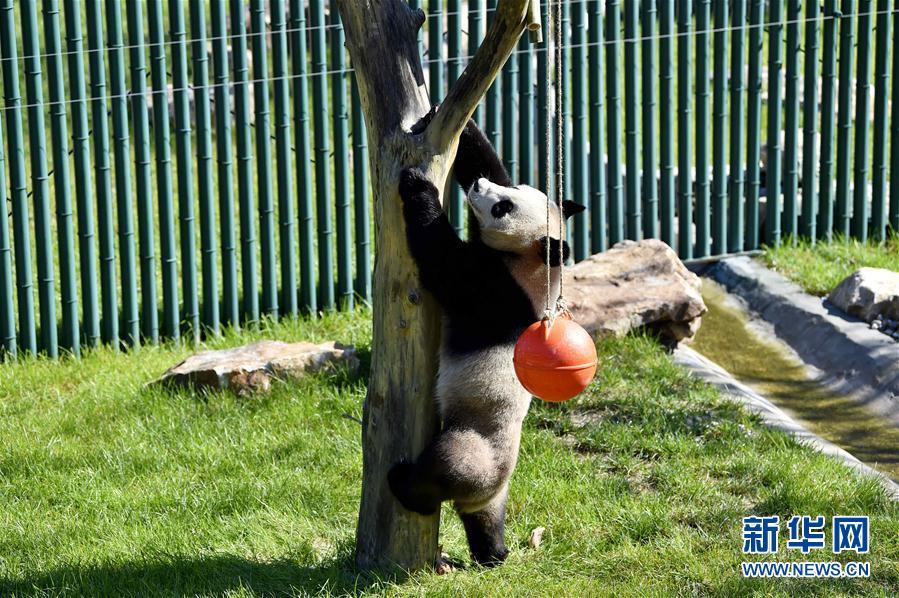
(213, 575)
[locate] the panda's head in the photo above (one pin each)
(513, 219)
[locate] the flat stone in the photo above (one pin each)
(635, 284)
(868, 293)
(250, 368)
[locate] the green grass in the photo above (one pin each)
(111, 488)
(821, 267)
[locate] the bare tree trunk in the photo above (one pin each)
(399, 417)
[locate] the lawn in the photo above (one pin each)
(819, 268)
(110, 488)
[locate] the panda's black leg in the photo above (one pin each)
(485, 530)
(477, 158)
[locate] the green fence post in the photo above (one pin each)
(159, 75)
(862, 89)
(7, 307)
(184, 157)
(362, 195)
(454, 200)
(230, 313)
(303, 155)
(881, 110)
(703, 185)
(684, 163)
(109, 326)
(613, 106)
(286, 217)
(125, 215)
(772, 173)
(245, 184)
(754, 124)
(893, 214)
(790, 217)
(828, 91)
(510, 119)
(719, 131)
(435, 49)
(453, 40)
(809, 121)
(844, 123)
(264, 157)
(19, 187)
(142, 171)
(83, 188)
(34, 97)
(598, 236)
(204, 167)
(579, 158)
(736, 218)
(322, 155)
(649, 186)
(631, 126)
(493, 123)
(70, 337)
(567, 133)
(666, 120)
(526, 116)
(475, 35)
(341, 166)
(415, 5)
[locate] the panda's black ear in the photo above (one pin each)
(558, 252)
(570, 208)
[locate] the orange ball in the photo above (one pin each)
(555, 363)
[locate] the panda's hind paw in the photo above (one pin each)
(399, 478)
(492, 557)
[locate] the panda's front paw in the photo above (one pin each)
(415, 185)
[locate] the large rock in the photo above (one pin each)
(635, 284)
(867, 293)
(251, 367)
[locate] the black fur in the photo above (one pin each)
(556, 257)
(485, 531)
(570, 208)
(410, 491)
(476, 158)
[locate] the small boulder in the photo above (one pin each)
(632, 285)
(868, 293)
(250, 368)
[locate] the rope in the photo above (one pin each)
(554, 308)
(560, 307)
(548, 308)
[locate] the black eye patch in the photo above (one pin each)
(501, 208)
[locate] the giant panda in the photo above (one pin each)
(490, 289)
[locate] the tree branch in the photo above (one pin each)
(508, 24)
